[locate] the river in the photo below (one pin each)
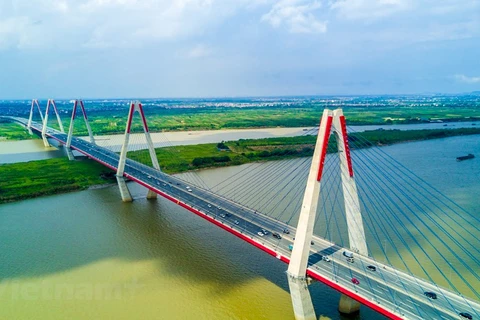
(87, 255)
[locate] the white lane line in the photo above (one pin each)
(407, 305)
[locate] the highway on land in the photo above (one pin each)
(383, 288)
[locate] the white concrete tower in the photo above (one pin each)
(45, 121)
(302, 305)
(29, 123)
(72, 121)
(301, 300)
(126, 196)
(356, 233)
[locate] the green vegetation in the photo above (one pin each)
(236, 118)
(294, 115)
(13, 131)
(25, 180)
(20, 181)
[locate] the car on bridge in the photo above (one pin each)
(276, 235)
(430, 295)
(355, 281)
(260, 233)
(371, 268)
(326, 258)
(265, 232)
(465, 315)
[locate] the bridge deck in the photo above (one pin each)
(392, 292)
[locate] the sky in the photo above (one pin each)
(68, 49)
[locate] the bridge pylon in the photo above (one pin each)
(70, 129)
(125, 193)
(30, 118)
(303, 237)
(45, 121)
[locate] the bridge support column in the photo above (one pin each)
(297, 267)
(347, 305)
(135, 106)
(70, 155)
(356, 233)
(45, 121)
(124, 192)
(301, 299)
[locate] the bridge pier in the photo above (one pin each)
(301, 299)
(348, 305)
(70, 155)
(124, 192)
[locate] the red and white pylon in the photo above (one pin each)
(45, 121)
(70, 129)
(297, 267)
(125, 193)
(29, 123)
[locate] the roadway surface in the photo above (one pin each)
(392, 292)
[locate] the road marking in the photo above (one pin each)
(406, 305)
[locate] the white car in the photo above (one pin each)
(326, 258)
(260, 233)
(209, 206)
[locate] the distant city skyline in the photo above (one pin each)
(67, 49)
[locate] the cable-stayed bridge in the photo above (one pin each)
(241, 204)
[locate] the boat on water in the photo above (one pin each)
(468, 156)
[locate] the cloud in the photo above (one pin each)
(297, 16)
(466, 79)
(12, 31)
(114, 23)
(199, 51)
(369, 9)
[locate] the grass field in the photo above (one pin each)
(24, 180)
(13, 131)
(215, 119)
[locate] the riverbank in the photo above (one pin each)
(20, 181)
